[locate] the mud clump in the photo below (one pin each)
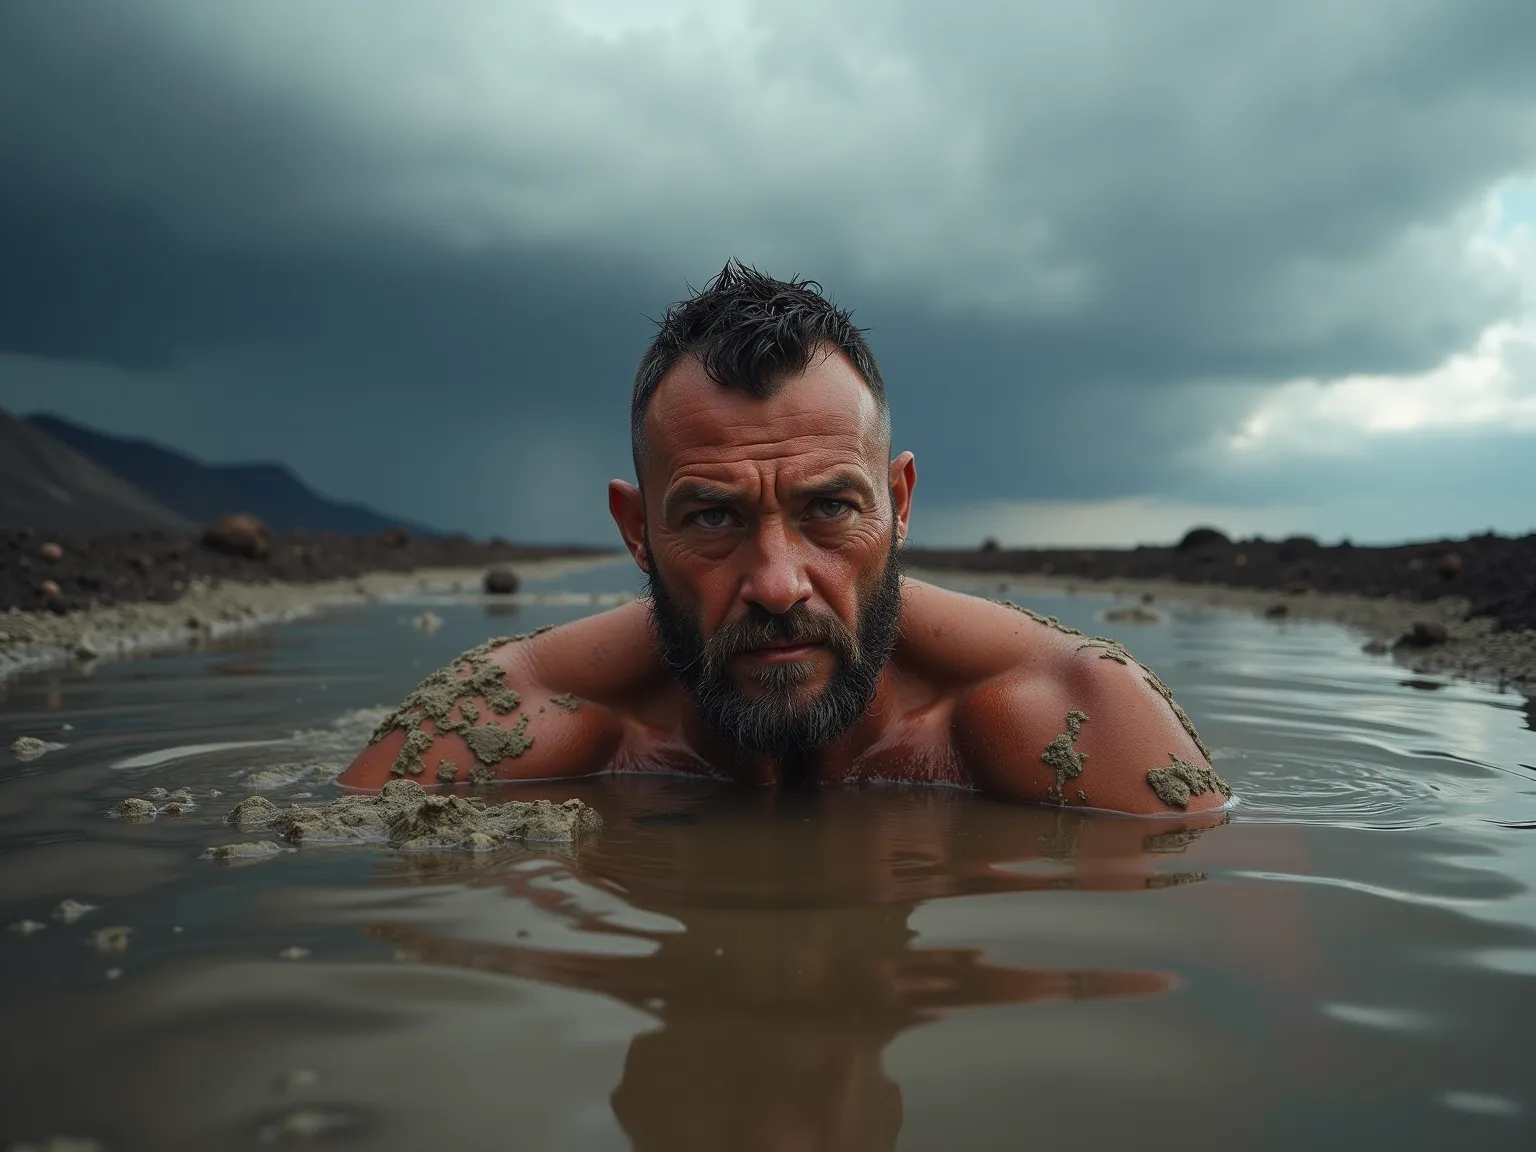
(30, 747)
(243, 853)
(111, 940)
(1176, 784)
(404, 815)
(1064, 759)
(134, 809)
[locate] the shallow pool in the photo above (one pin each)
(1350, 961)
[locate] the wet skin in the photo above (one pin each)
(792, 501)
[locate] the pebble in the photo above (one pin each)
(500, 582)
(133, 808)
(238, 534)
(51, 551)
(26, 927)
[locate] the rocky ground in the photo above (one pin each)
(66, 573)
(1494, 575)
(1467, 607)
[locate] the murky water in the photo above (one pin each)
(1350, 961)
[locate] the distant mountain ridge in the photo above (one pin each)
(47, 484)
(200, 492)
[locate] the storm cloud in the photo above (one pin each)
(411, 248)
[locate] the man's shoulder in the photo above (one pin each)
(1047, 713)
(540, 704)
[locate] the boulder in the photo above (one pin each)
(238, 534)
(501, 582)
(1203, 537)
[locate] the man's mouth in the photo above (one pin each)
(781, 652)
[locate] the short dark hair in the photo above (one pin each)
(750, 332)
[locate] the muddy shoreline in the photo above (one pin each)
(208, 609)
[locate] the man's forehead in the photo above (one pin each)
(827, 409)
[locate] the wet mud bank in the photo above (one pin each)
(207, 609)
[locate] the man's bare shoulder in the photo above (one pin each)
(540, 705)
(1047, 713)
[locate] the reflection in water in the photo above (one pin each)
(786, 963)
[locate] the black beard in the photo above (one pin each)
(774, 724)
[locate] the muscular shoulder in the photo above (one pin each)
(1077, 720)
(537, 706)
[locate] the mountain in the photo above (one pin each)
(271, 492)
(48, 485)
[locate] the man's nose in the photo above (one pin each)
(778, 579)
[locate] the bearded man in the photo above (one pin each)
(779, 641)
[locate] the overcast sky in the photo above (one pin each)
(1127, 266)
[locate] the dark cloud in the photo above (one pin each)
(413, 242)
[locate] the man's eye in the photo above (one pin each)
(712, 518)
(826, 508)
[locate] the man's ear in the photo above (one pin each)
(626, 504)
(903, 481)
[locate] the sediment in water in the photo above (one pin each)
(405, 815)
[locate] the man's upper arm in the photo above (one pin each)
(1096, 731)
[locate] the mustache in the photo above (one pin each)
(760, 628)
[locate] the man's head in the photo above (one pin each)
(768, 512)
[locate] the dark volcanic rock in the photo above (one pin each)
(238, 534)
(501, 581)
(1426, 634)
(394, 537)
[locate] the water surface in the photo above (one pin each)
(1351, 959)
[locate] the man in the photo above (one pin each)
(779, 641)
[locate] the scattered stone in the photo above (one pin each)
(133, 808)
(238, 534)
(500, 582)
(1298, 588)
(405, 815)
(26, 927)
(394, 537)
(158, 793)
(1376, 647)
(85, 648)
(1181, 780)
(51, 551)
(427, 621)
(1277, 611)
(243, 853)
(50, 590)
(1450, 566)
(69, 911)
(111, 940)
(1425, 634)
(293, 952)
(1295, 547)
(30, 747)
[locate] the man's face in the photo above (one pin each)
(769, 544)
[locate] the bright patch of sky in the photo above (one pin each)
(1489, 385)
